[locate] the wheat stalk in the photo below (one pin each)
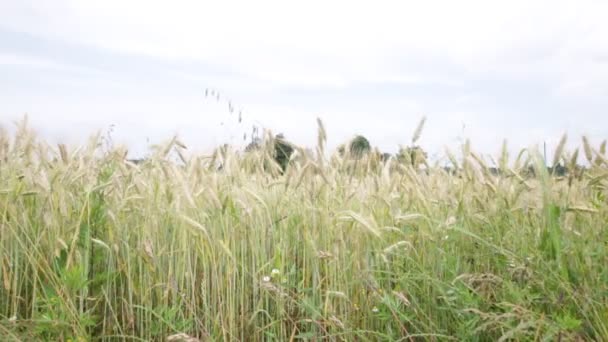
(559, 151)
(588, 150)
(418, 131)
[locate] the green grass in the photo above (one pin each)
(95, 248)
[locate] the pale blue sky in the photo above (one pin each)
(526, 71)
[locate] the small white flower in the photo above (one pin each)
(375, 310)
(275, 272)
(284, 280)
(266, 279)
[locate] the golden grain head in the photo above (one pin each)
(587, 149)
(418, 131)
(559, 150)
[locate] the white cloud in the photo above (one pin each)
(336, 46)
(18, 60)
(341, 39)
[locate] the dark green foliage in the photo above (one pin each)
(385, 156)
(359, 146)
(282, 151)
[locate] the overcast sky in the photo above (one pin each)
(522, 70)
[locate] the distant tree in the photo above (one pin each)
(356, 147)
(282, 151)
(255, 144)
(359, 146)
(342, 150)
(412, 155)
(385, 157)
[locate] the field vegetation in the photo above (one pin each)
(234, 246)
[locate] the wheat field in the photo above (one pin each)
(226, 247)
